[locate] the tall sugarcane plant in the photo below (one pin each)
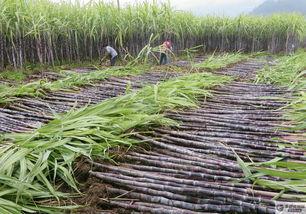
(40, 31)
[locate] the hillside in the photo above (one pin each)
(274, 6)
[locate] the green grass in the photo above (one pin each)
(13, 75)
(290, 72)
(286, 72)
(215, 62)
(295, 112)
(20, 75)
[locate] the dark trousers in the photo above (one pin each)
(163, 59)
(112, 60)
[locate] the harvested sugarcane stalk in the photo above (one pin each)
(184, 169)
(181, 150)
(198, 136)
(180, 173)
(144, 207)
(240, 126)
(179, 182)
(167, 159)
(180, 204)
(195, 191)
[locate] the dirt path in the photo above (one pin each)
(190, 169)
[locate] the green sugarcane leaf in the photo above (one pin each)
(244, 167)
(268, 163)
(292, 165)
(281, 174)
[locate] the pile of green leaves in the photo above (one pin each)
(290, 72)
(221, 61)
(13, 75)
(289, 177)
(287, 71)
(35, 162)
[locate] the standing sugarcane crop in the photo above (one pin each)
(113, 55)
(165, 49)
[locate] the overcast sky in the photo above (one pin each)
(218, 7)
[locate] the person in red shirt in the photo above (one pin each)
(166, 47)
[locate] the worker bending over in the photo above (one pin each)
(166, 48)
(113, 55)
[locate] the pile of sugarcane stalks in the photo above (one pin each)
(29, 113)
(192, 168)
(84, 69)
(243, 70)
(45, 75)
(188, 63)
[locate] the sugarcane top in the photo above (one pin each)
(111, 51)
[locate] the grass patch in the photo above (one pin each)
(14, 75)
(286, 72)
(297, 114)
(221, 61)
(18, 76)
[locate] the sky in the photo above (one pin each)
(212, 7)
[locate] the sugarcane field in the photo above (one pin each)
(154, 107)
